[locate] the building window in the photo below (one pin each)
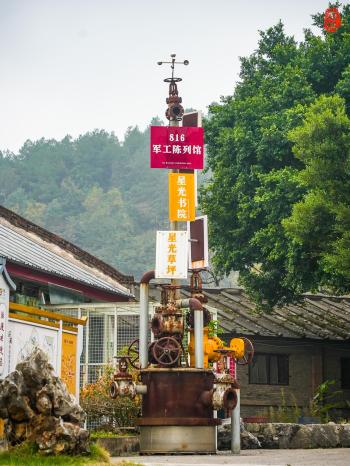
(269, 369)
(345, 372)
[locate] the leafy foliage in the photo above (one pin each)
(325, 400)
(109, 413)
(265, 150)
(319, 223)
(285, 412)
(94, 191)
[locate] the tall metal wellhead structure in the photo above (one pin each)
(181, 385)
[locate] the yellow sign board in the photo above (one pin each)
(69, 361)
(182, 206)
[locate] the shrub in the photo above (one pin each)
(284, 413)
(109, 414)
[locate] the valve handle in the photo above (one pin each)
(248, 353)
(134, 354)
(166, 351)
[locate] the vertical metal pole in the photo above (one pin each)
(143, 349)
(87, 331)
(236, 426)
(78, 355)
(77, 363)
(60, 348)
(106, 335)
(174, 225)
(198, 339)
(115, 334)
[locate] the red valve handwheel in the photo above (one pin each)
(134, 354)
(166, 351)
(248, 352)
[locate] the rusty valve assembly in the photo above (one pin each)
(122, 384)
(168, 326)
(185, 374)
(175, 110)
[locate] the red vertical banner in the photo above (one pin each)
(232, 367)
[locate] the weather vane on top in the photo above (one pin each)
(175, 110)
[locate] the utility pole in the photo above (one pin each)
(174, 114)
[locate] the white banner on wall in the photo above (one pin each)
(24, 337)
(4, 299)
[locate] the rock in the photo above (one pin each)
(302, 438)
(38, 407)
(248, 440)
(224, 436)
(325, 436)
(19, 409)
(43, 403)
(53, 435)
(344, 435)
(16, 433)
(268, 436)
(285, 435)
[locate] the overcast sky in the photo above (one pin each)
(70, 66)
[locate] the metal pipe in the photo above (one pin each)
(198, 339)
(141, 389)
(236, 426)
(144, 298)
(174, 225)
(196, 306)
(192, 303)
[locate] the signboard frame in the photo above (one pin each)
(182, 197)
(163, 252)
(198, 254)
(177, 147)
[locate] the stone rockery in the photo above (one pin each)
(37, 407)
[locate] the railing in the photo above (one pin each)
(44, 317)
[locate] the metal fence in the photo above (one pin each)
(110, 328)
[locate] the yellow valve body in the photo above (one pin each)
(210, 344)
(236, 348)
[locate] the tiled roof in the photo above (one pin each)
(319, 317)
(26, 244)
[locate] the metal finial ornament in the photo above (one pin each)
(175, 110)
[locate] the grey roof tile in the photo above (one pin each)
(317, 317)
(25, 250)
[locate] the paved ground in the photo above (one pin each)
(329, 457)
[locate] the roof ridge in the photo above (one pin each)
(83, 256)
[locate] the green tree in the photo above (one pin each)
(320, 222)
(255, 179)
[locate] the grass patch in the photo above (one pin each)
(27, 454)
